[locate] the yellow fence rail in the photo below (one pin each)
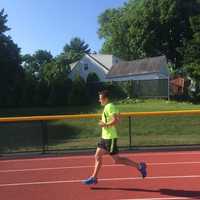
(87, 116)
(43, 120)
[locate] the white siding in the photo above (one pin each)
(93, 67)
(136, 77)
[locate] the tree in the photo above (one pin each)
(113, 28)
(144, 28)
(78, 94)
(3, 21)
(34, 63)
(55, 75)
(75, 50)
(191, 55)
(93, 85)
(11, 72)
(51, 71)
(59, 92)
(92, 78)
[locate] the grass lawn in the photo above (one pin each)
(84, 133)
(126, 106)
(155, 105)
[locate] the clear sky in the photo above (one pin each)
(50, 24)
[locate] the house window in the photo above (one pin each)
(85, 66)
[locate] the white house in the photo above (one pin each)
(150, 75)
(100, 64)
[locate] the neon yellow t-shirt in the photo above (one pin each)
(108, 112)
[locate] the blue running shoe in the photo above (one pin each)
(90, 181)
(143, 169)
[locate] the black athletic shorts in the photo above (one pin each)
(110, 145)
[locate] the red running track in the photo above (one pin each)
(171, 175)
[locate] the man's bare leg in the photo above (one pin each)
(98, 161)
(126, 161)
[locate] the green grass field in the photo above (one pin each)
(84, 133)
(124, 106)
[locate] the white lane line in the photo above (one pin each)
(102, 179)
(136, 154)
(164, 198)
(91, 166)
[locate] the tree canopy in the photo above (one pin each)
(144, 28)
(75, 49)
(10, 65)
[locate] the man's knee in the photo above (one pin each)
(98, 156)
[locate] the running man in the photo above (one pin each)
(108, 142)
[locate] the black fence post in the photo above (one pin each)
(44, 137)
(130, 133)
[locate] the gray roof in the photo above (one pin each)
(105, 59)
(72, 65)
(138, 67)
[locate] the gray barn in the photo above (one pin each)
(149, 76)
